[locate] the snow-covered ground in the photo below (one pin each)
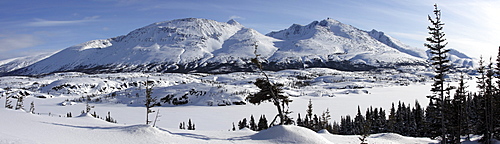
(23, 128)
(56, 95)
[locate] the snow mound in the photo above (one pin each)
(142, 129)
(290, 134)
(392, 137)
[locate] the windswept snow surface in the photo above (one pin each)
(19, 127)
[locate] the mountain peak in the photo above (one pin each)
(233, 22)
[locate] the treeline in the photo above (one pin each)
(464, 113)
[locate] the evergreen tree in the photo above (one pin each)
(325, 118)
(346, 125)
(391, 122)
(109, 118)
(359, 122)
(252, 124)
(382, 122)
(270, 92)
(441, 66)
(419, 115)
(8, 102)
(432, 124)
(182, 125)
(458, 115)
(316, 123)
(243, 124)
(496, 101)
(150, 102)
(32, 107)
(335, 128)
(191, 125)
(489, 116)
(471, 115)
(300, 121)
(234, 127)
(262, 125)
(20, 102)
(7, 94)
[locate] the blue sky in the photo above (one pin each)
(30, 27)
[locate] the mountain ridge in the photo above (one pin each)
(203, 45)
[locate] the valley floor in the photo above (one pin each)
(18, 127)
(49, 124)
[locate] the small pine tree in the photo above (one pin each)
(191, 125)
(262, 124)
(234, 128)
(109, 118)
(309, 115)
(252, 124)
(325, 118)
(243, 123)
(32, 107)
(300, 121)
(69, 114)
(20, 102)
(8, 102)
(359, 122)
(88, 107)
(150, 102)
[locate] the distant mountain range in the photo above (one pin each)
(202, 45)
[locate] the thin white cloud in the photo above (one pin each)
(236, 17)
(411, 36)
(20, 41)
(43, 22)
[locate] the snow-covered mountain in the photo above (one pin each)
(202, 45)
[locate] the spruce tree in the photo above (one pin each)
(109, 118)
(325, 118)
(32, 107)
(391, 122)
(300, 121)
(20, 102)
(441, 66)
(496, 100)
(252, 124)
(150, 101)
(191, 125)
(458, 115)
(419, 115)
(309, 115)
(488, 105)
(234, 128)
(262, 124)
(359, 122)
(243, 124)
(382, 121)
(8, 102)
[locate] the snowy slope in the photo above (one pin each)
(20, 62)
(202, 45)
(166, 45)
(457, 58)
(330, 40)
